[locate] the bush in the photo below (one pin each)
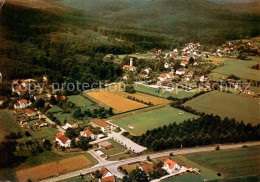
(217, 147)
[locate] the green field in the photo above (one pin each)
(240, 68)
(117, 148)
(80, 101)
(7, 124)
(79, 179)
(153, 119)
(230, 163)
(180, 94)
(240, 107)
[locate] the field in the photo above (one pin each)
(80, 101)
(180, 94)
(116, 89)
(51, 169)
(117, 148)
(7, 124)
(227, 105)
(230, 163)
(117, 102)
(240, 68)
(152, 119)
(87, 177)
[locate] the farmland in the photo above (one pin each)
(153, 119)
(180, 94)
(53, 168)
(7, 124)
(231, 163)
(116, 89)
(240, 68)
(117, 102)
(227, 105)
(80, 101)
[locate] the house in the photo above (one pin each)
(246, 90)
(87, 133)
(23, 83)
(70, 124)
(166, 65)
(162, 77)
(2, 99)
(42, 96)
(22, 104)
(105, 127)
(180, 71)
(62, 140)
(30, 112)
(19, 89)
(106, 176)
(203, 78)
(105, 145)
(147, 168)
(190, 73)
(183, 63)
(170, 75)
(148, 70)
(41, 123)
(129, 68)
(170, 166)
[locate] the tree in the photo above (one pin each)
(47, 144)
(110, 111)
(136, 176)
(53, 100)
(83, 143)
(70, 133)
(40, 104)
(7, 149)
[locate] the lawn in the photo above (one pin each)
(80, 101)
(153, 119)
(240, 68)
(230, 163)
(180, 94)
(86, 177)
(240, 107)
(7, 124)
(117, 148)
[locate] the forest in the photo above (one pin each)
(206, 130)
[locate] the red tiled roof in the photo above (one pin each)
(147, 168)
(187, 166)
(62, 138)
(128, 67)
(87, 132)
(170, 163)
(23, 101)
(29, 111)
(108, 179)
(162, 76)
(100, 122)
(184, 62)
(150, 69)
(103, 171)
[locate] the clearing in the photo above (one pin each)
(153, 119)
(117, 102)
(240, 107)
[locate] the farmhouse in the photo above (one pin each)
(180, 71)
(62, 140)
(170, 166)
(105, 145)
(106, 176)
(70, 124)
(30, 112)
(87, 133)
(105, 127)
(129, 68)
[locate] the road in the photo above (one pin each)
(113, 165)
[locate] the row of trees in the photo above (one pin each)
(208, 129)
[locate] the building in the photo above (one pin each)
(162, 77)
(105, 127)
(170, 166)
(30, 112)
(183, 63)
(180, 71)
(41, 123)
(63, 141)
(87, 133)
(22, 104)
(105, 145)
(147, 168)
(2, 99)
(167, 65)
(148, 70)
(129, 68)
(70, 124)
(106, 176)
(19, 89)
(42, 96)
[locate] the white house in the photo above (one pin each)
(106, 176)
(62, 140)
(167, 65)
(180, 71)
(148, 70)
(70, 124)
(22, 104)
(170, 166)
(203, 78)
(162, 77)
(104, 126)
(183, 63)
(41, 123)
(87, 133)
(170, 75)
(129, 68)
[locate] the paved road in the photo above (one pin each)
(112, 166)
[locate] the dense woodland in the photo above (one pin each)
(205, 130)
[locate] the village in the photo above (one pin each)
(88, 121)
